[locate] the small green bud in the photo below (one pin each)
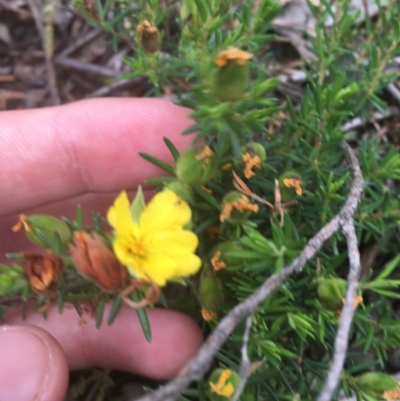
(223, 384)
(196, 166)
(253, 155)
(183, 191)
(10, 279)
(236, 208)
(219, 259)
(232, 76)
(379, 385)
(48, 225)
(210, 293)
(331, 292)
(290, 185)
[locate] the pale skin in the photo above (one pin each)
(51, 160)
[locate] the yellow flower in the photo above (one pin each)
(156, 248)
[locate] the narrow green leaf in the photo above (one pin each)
(144, 322)
(159, 163)
(116, 306)
(100, 312)
(172, 148)
(388, 269)
(202, 9)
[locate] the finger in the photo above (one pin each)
(32, 365)
(87, 146)
(122, 346)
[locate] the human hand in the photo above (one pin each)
(52, 159)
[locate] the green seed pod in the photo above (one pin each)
(47, 225)
(290, 185)
(232, 76)
(219, 259)
(223, 384)
(183, 191)
(236, 208)
(376, 384)
(196, 166)
(210, 293)
(331, 292)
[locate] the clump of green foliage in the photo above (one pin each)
(302, 178)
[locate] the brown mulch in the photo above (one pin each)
(84, 63)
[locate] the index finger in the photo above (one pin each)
(88, 146)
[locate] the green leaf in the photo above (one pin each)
(172, 148)
(116, 306)
(202, 9)
(137, 205)
(159, 163)
(144, 322)
(100, 312)
(388, 269)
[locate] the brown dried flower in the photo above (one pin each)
(42, 271)
(95, 260)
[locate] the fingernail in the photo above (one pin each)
(24, 363)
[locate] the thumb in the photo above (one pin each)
(33, 366)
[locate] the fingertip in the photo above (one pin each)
(31, 356)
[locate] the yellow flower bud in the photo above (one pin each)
(48, 225)
(232, 77)
(196, 166)
(223, 383)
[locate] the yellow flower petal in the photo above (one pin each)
(119, 215)
(165, 211)
(175, 240)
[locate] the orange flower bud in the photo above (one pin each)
(95, 260)
(42, 271)
(149, 36)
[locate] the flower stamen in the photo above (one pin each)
(252, 163)
(216, 261)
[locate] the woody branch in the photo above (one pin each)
(200, 363)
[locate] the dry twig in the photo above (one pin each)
(245, 368)
(196, 367)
